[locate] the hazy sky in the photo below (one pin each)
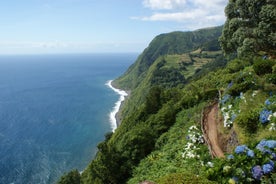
(87, 26)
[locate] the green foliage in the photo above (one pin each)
(237, 65)
(249, 120)
(73, 177)
(263, 66)
(243, 82)
(250, 27)
(183, 178)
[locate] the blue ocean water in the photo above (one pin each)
(54, 110)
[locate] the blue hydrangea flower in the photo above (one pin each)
(273, 156)
(271, 163)
(264, 144)
(267, 102)
(230, 84)
(257, 172)
(250, 153)
(225, 98)
(264, 114)
(233, 117)
(267, 168)
(270, 144)
(241, 149)
(229, 157)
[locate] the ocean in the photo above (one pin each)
(54, 110)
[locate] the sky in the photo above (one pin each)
(98, 26)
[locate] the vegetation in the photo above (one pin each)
(173, 80)
(250, 27)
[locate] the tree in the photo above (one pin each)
(250, 27)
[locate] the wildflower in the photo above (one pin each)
(257, 172)
(267, 168)
(250, 153)
(241, 149)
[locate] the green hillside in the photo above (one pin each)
(193, 115)
(168, 44)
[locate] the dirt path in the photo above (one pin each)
(209, 128)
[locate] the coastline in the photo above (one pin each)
(114, 114)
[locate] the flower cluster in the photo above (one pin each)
(244, 149)
(229, 113)
(264, 114)
(265, 146)
(267, 115)
(247, 165)
(194, 138)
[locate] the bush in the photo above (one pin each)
(249, 120)
(271, 78)
(262, 67)
(237, 65)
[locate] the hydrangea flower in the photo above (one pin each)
(271, 163)
(230, 84)
(241, 149)
(267, 102)
(271, 144)
(229, 157)
(264, 144)
(225, 98)
(267, 168)
(250, 153)
(264, 116)
(273, 156)
(257, 172)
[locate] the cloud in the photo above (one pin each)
(164, 4)
(192, 13)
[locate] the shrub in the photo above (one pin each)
(271, 78)
(237, 65)
(249, 120)
(262, 67)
